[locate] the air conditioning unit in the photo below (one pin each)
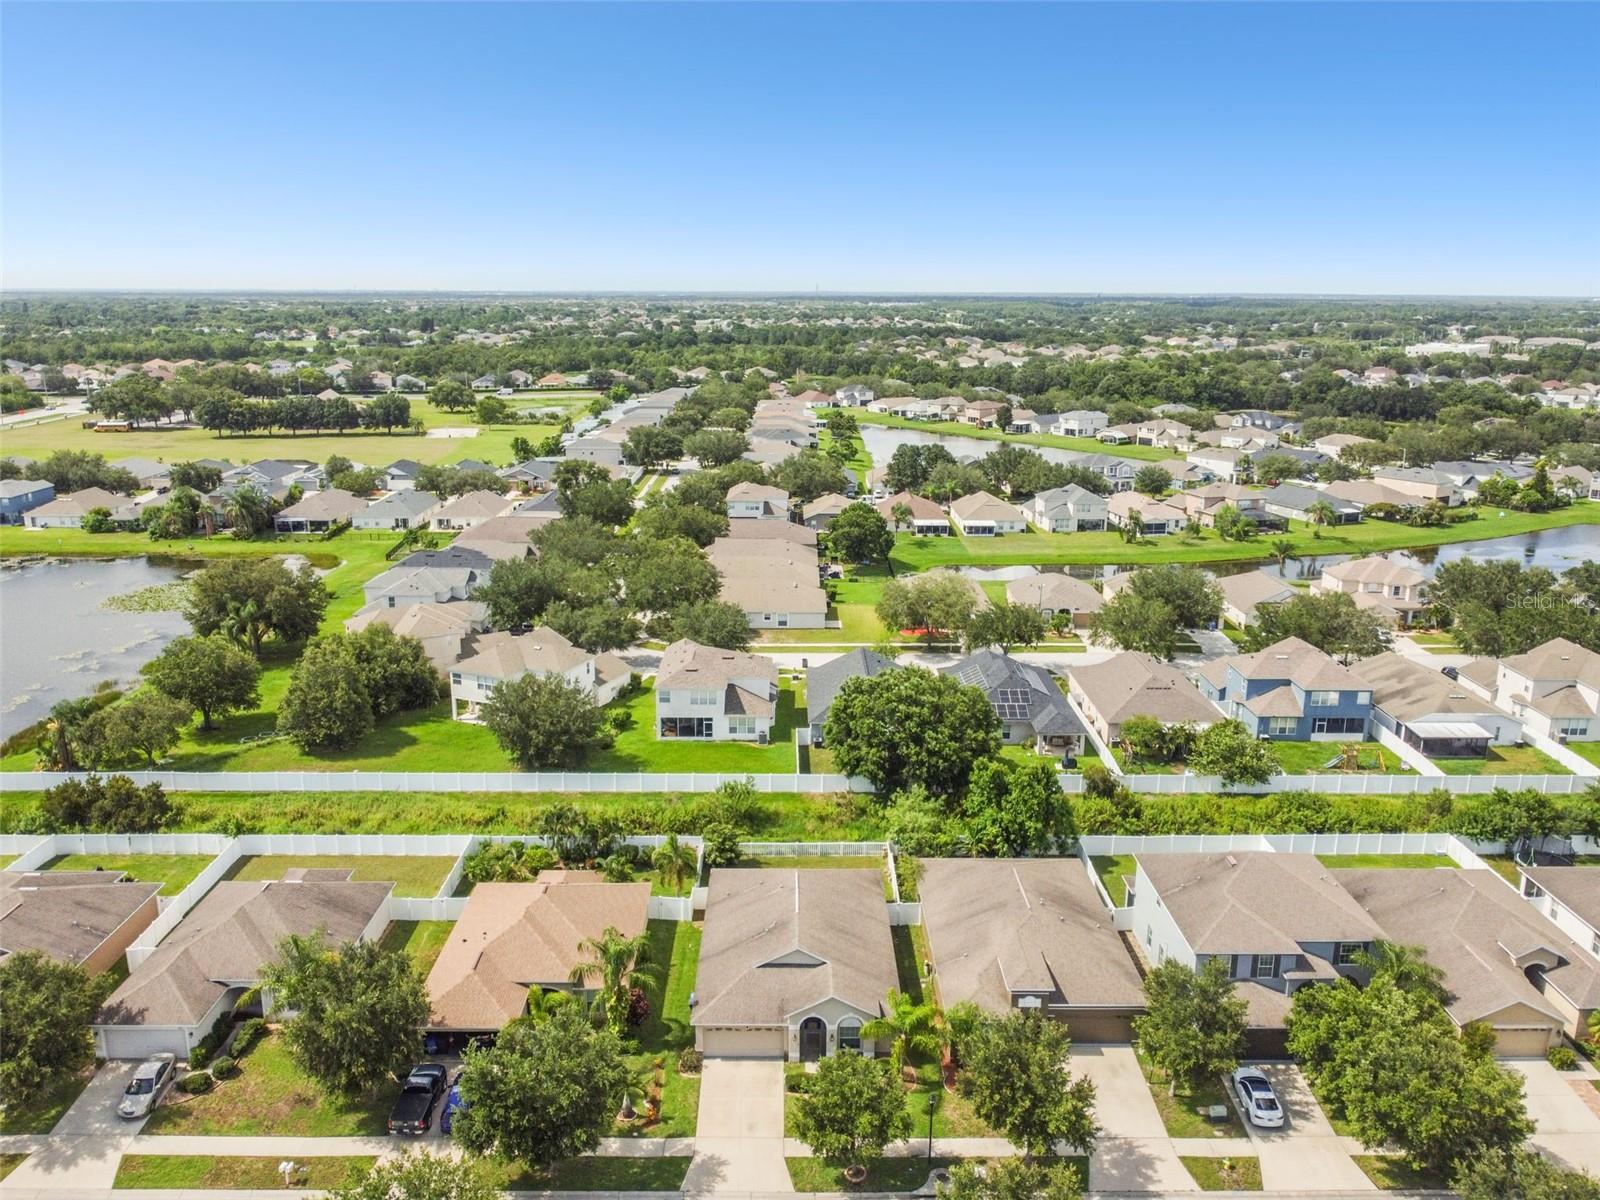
(762, 737)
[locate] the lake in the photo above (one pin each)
(57, 642)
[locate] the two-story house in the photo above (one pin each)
(716, 695)
(1421, 484)
(1291, 691)
(1080, 422)
(1227, 464)
(757, 501)
(1570, 898)
(19, 496)
(1118, 472)
(1201, 504)
(1395, 590)
(1067, 509)
(1553, 689)
(495, 658)
(1171, 435)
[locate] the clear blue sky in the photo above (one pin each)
(1373, 148)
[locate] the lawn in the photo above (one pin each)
(422, 940)
(1111, 868)
(859, 461)
(675, 948)
(1178, 1110)
(272, 1096)
(907, 961)
(412, 874)
(205, 1171)
(1504, 760)
(1368, 861)
(1090, 445)
(1224, 1174)
(639, 749)
(883, 1174)
(594, 1173)
(9, 1163)
(173, 872)
(854, 601)
(1391, 1174)
(1312, 758)
(952, 1117)
(1586, 750)
(1138, 766)
(41, 1115)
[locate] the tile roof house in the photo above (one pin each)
(1437, 716)
(87, 918)
(983, 515)
(1033, 711)
(443, 629)
(1505, 964)
(495, 658)
(1553, 689)
(1396, 591)
(320, 511)
(824, 679)
(1134, 684)
(926, 517)
(1030, 934)
(792, 963)
(1053, 592)
(513, 937)
(1290, 691)
(1067, 509)
(716, 695)
(1241, 594)
(215, 954)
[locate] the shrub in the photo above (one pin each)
(200, 1055)
(1562, 1058)
(638, 1007)
(690, 1062)
(195, 1083)
(721, 845)
(224, 1067)
(250, 1032)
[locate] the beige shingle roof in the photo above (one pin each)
(691, 665)
(66, 914)
(1055, 591)
(542, 651)
(1134, 684)
(482, 503)
(981, 506)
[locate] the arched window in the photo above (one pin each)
(850, 1034)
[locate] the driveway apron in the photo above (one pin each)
(739, 1140)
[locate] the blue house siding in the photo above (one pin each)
(1348, 717)
(12, 507)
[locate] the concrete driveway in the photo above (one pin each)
(1565, 1128)
(87, 1143)
(1134, 1153)
(1305, 1155)
(739, 1140)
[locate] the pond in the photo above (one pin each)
(882, 440)
(57, 641)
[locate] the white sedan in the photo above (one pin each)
(1257, 1101)
(150, 1081)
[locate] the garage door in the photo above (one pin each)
(1530, 1041)
(744, 1043)
(142, 1043)
(1099, 1027)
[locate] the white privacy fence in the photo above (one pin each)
(1344, 785)
(449, 781)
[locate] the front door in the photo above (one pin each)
(813, 1039)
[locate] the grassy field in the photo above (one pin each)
(205, 1171)
(173, 872)
(883, 1174)
(639, 749)
(1589, 751)
(271, 1096)
(1504, 760)
(1111, 868)
(41, 1114)
(1311, 758)
(859, 462)
(412, 875)
(1089, 445)
(422, 940)
(675, 949)
(594, 1173)
(1351, 862)
(952, 1115)
(1224, 1174)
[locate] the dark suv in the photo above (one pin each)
(413, 1111)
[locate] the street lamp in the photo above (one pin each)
(933, 1102)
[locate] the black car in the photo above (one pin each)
(413, 1111)
(1450, 672)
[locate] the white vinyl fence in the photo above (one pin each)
(1343, 785)
(448, 781)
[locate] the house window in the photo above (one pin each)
(742, 726)
(1338, 725)
(850, 1034)
(1346, 955)
(1324, 699)
(703, 699)
(1572, 727)
(1149, 935)
(1594, 945)
(1266, 966)
(783, 620)
(455, 677)
(1282, 726)
(1530, 889)
(1363, 697)
(663, 697)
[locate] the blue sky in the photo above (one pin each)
(1370, 148)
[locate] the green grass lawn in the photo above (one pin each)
(1089, 444)
(1224, 1174)
(205, 1171)
(422, 940)
(675, 948)
(1178, 1110)
(1311, 758)
(859, 462)
(1504, 760)
(9, 1163)
(412, 874)
(40, 1114)
(1369, 861)
(883, 1174)
(639, 749)
(907, 962)
(1391, 1174)
(271, 1096)
(1138, 766)
(1111, 868)
(1586, 750)
(952, 1116)
(595, 1173)
(173, 872)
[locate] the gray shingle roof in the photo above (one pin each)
(824, 680)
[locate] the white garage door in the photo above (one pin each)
(744, 1043)
(133, 1042)
(1529, 1041)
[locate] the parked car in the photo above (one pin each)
(452, 1104)
(150, 1081)
(413, 1111)
(1450, 672)
(1257, 1101)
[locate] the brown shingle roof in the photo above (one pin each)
(66, 914)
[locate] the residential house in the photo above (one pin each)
(1202, 504)
(824, 679)
(1118, 435)
(1308, 460)
(1294, 502)
(1553, 689)
(775, 581)
(1421, 484)
(506, 537)
(1080, 422)
(1185, 474)
(484, 383)
(397, 510)
(1134, 684)
(603, 446)
(1242, 593)
(536, 475)
(1435, 715)
(1033, 711)
(854, 395)
(792, 963)
(768, 452)
(21, 496)
(981, 413)
(429, 576)
(320, 511)
(68, 512)
(86, 918)
(1279, 922)
(152, 475)
(519, 378)
(1226, 464)
(1170, 435)
(470, 510)
(1029, 934)
(819, 514)
(1364, 493)
(443, 629)
(1468, 475)
(716, 695)
(496, 658)
(1067, 509)
(1505, 964)
(1023, 420)
(983, 515)
(925, 517)
(514, 938)
(1255, 418)
(215, 955)
(1155, 516)
(1395, 590)
(757, 501)
(1056, 593)
(1118, 472)
(1568, 897)
(1335, 444)
(772, 531)
(1291, 691)
(401, 475)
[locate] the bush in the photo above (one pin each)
(690, 1062)
(196, 1083)
(721, 845)
(224, 1067)
(1562, 1058)
(200, 1055)
(250, 1032)
(638, 1007)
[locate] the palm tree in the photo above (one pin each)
(1282, 548)
(620, 964)
(1319, 513)
(543, 1005)
(248, 511)
(901, 513)
(674, 862)
(910, 1026)
(1407, 967)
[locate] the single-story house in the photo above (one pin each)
(86, 918)
(156, 476)
(824, 679)
(819, 514)
(926, 517)
(401, 475)
(792, 963)
(775, 582)
(1432, 713)
(983, 515)
(1053, 592)
(1032, 709)
(1293, 502)
(320, 511)
(438, 576)
(785, 531)
(1335, 444)
(1135, 684)
(1155, 516)
(1570, 898)
(68, 512)
(505, 537)
(1243, 592)
(398, 510)
(473, 508)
